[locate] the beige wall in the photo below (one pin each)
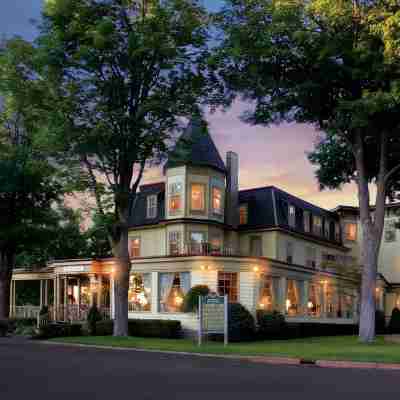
(152, 241)
(268, 240)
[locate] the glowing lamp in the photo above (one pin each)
(288, 304)
(261, 305)
(256, 269)
(310, 304)
(178, 300)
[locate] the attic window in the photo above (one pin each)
(317, 225)
(151, 206)
(243, 214)
(292, 216)
(307, 221)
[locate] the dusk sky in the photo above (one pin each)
(268, 155)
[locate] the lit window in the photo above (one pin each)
(198, 197)
(173, 289)
(292, 297)
(390, 231)
(243, 214)
(265, 301)
(311, 257)
(135, 247)
(307, 221)
(314, 302)
(197, 243)
(139, 294)
(292, 216)
(228, 285)
(175, 198)
(217, 200)
(174, 239)
(289, 252)
(152, 206)
(317, 225)
(351, 232)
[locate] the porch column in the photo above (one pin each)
(14, 294)
(46, 292)
(12, 298)
(323, 300)
(99, 288)
(304, 297)
(154, 293)
(281, 306)
(92, 285)
(112, 303)
(79, 298)
(55, 299)
(41, 294)
(65, 297)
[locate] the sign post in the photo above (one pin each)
(213, 316)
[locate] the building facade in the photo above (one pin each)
(262, 247)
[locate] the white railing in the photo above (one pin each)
(25, 312)
(201, 249)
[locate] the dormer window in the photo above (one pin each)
(175, 198)
(327, 229)
(151, 206)
(317, 226)
(307, 221)
(217, 200)
(292, 216)
(243, 214)
(198, 197)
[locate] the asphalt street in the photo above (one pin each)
(30, 370)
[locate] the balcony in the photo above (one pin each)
(201, 249)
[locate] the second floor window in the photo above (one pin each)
(327, 228)
(351, 231)
(198, 197)
(311, 257)
(243, 214)
(289, 252)
(217, 200)
(174, 240)
(135, 247)
(292, 216)
(151, 206)
(228, 285)
(175, 198)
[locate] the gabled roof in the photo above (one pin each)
(196, 147)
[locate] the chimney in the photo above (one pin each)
(232, 189)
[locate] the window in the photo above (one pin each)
(198, 197)
(337, 232)
(197, 243)
(256, 246)
(173, 289)
(152, 206)
(317, 225)
(289, 252)
(174, 240)
(390, 231)
(327, 228)
(265, 301)
(292, 216)
(311, 257)
(314, 302)
(307, 221)
(175, 198)
(292, 297)
(139, 294)
(351, 231)
(135, 247)
(217, 201)
(216, 244)
(243, 214)
(228, 284)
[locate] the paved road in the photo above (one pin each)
(37, 371)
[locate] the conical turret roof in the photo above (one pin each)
(196, 147)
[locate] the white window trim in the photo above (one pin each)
(151, 206)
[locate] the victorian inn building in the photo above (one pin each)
(262, 247)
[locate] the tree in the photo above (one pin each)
(125, 72)
(333, 64)
(29, 181)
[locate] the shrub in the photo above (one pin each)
(4, 328)
(394, 325)
(156, 328)
(380, 322)
(58, 329)
(93, 317)
(271, 325)
(191, 301)
(44, 310)
(104, 328)
(241, 324)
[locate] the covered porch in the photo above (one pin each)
(68, 289)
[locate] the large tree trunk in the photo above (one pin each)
(370, 252)
(6, 267)
(121, 282)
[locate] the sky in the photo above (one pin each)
(273, 155)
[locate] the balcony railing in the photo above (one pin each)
(201, 249)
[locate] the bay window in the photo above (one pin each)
(139, 294)
(217, 200)
(173, 288)
(198, 197)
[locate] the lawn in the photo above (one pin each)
(328, 348)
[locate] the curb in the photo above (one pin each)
(253, 359)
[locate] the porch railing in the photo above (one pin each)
(76, 312)
(25, 312)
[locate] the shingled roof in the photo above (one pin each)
(196, 147)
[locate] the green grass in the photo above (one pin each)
(330, 348)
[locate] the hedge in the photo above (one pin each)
(4, 327)
(57, 329)
(156, 328)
